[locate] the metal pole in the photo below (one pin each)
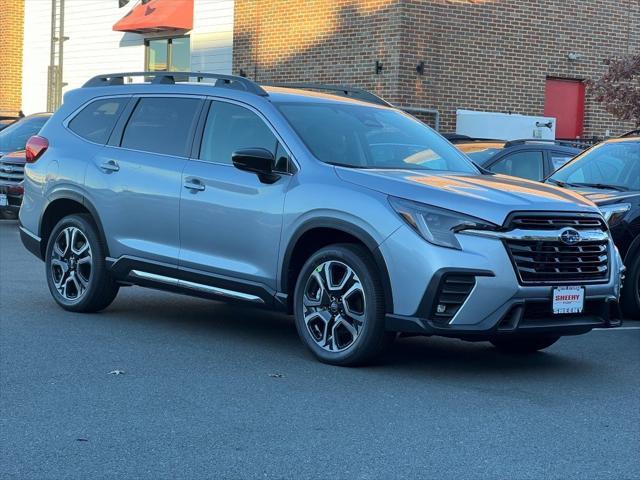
(51, 73)
(61, 39)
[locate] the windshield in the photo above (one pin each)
(616, 164)
(368, 137)
(15, 136)
(480, 152)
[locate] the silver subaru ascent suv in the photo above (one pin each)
(338, 208)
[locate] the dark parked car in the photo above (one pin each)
(4, 123)
(12, 159)
(609, 175)
(11, 181)
(530, 159)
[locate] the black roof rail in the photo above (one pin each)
(230, 81)
(457, 138)
(632, 133)
(341, 90)
(524, 141)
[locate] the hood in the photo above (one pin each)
(601, 196)
(14, 157)
(489, 197)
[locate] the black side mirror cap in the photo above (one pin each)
(256, 160)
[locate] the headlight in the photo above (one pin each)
(614, 213)
(437, 225)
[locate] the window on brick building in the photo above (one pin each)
(168, 54)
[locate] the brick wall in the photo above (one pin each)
(492, 55)
(11, 39)
(332, 41)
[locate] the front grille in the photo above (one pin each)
(553, 261)
(453, 291)
(555, 223)
(11, 172)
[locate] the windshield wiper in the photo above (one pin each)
(558, 182)
(602, 186)
(346, 165)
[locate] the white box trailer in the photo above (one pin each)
(504, 126)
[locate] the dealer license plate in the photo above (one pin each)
(3, 200)
(568, 300)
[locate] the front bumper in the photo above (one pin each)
(498, 304)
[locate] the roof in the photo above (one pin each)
(634, 138)
(39, 114)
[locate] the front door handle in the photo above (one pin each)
(194, 185)
(110, 166)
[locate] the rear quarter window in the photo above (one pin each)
(95, 122)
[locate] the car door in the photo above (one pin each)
(136, 183)
(527, 164)
(230, 221)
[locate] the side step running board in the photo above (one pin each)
(175, 282)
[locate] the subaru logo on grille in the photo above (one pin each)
(570, 236)
(7, 168)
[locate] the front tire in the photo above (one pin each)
(339, 306)
(76, 273)
(524, 345)
(630, 301)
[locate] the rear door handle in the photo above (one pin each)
(194, 185)
(110, 166)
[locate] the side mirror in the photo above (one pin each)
(256, 160)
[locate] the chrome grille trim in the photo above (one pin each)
(11, 172)
(537, 235)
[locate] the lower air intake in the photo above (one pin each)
(453, 291)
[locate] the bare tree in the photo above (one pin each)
(619, 88)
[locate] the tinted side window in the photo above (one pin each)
(229, 128)
(96, 121)
(528, 164)
(558, 159)
(162, 125)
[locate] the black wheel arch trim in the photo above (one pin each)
(633, 250)
(69, 194)
(346, 227)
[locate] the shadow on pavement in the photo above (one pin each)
(276, 332)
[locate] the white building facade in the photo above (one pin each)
(94, 47)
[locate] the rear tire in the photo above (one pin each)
(524, 345)
(630, 300)
(75, 266)
(339, 306)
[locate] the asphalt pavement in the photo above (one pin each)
(167, 386)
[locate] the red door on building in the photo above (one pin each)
(564, 100)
